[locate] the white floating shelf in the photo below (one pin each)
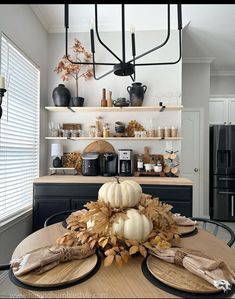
(113, 109)
(114, 138)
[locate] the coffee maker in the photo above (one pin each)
(108, 164)
(125, 162)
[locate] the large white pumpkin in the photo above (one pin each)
(136, 227)
(124, 194)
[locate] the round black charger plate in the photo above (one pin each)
(33, 288)
(64, 224)
(148, 275)
(189, 234)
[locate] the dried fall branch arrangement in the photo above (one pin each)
(76, 71)
(101, 226)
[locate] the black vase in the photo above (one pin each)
(61, 96)
(77, 102)
(136, 92)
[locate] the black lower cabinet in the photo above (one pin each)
(54, 198)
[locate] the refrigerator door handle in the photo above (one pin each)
(226, 179)
(226, 192)
(232, 205)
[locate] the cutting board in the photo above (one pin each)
(64, 273)
(99, 146)
(178, 277)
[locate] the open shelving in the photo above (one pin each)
(113, 138)
(115, 109)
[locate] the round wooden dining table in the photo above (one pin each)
(127, 281)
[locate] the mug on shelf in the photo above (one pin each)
(148, 167)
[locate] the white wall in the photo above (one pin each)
(160, 80)
(195, 94)
(222, 85)
(20, 24)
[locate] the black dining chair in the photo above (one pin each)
(218, 229)
(4, 267)
(57, 217)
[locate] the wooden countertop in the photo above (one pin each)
(79, 179)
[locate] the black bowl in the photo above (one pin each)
(77, 101)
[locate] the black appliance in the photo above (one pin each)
(222, 172)
(108, 164)
(90, 164)
(125, 162)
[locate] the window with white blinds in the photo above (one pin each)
(19, 131)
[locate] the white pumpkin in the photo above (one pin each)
(124, 194)
(136, 227)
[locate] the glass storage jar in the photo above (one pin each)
(92, 131)
(140, 162)
(106, 130)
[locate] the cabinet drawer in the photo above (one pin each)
(67, 190)
(224, 181)
(223, 204)
(169, 193)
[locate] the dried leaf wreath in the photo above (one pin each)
(93, 227)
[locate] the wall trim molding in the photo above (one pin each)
(198, 59)
(222, 73)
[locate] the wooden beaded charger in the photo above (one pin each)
(177, 277)
(64, 273)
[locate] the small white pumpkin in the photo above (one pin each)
(136, 227)
(124, 194)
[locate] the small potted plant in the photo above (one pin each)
(76, 71)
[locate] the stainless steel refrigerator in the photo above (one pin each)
(222, 172)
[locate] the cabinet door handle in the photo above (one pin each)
(232, 205)
(226, 179)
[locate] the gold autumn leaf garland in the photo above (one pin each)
(93, 227)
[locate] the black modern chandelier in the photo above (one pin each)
(123, 67)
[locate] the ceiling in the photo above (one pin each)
(209, 33)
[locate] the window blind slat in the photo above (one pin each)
(19, 131)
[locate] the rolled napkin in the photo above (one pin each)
(215, 271)
(46, 258)
(183, 221)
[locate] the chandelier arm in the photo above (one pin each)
(94, 71)
(66, 25)
(166, 63)
(161, 45)
(133, 75)
(98, 36)
(123, 35)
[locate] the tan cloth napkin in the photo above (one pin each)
(215, 271)
(46, 258)
(183, 221)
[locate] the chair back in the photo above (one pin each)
(218, 229)
(57, 217)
